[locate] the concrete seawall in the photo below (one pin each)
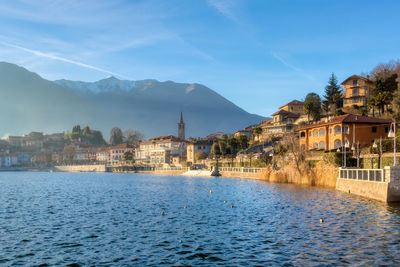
(81, 168)
(383, 187)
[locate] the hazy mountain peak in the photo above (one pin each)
(149, 106)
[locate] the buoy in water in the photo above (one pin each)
(321, 220)
(232, 206)
(211, 191)
(224, 201)
(162, 213)
(184, 207)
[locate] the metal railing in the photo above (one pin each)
(374, 175)
(171, 169)
(242, 169)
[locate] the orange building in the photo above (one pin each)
(358, 90)
(333, 133)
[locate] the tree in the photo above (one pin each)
(222, 147)
(243, 141)
(86, 131)
(333, 95)
(233, 147)
(215, 150)
(127, 156)
(312, 106)
(200, 155)
(133, 137)
(257, 132)
(116, 136)
(385, 77)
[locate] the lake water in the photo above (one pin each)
(116, 219)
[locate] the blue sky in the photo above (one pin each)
(259, 54)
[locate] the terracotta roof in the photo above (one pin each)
(286, 114)
(348, 118)
(266, 122)
(166, 138)
(293, 102)
(356, 77)
(124, 145)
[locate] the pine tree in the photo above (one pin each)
(333, 94)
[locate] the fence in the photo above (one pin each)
(171, 169)
(243, 169)
(375, 175)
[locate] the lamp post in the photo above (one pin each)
(392, 133)
(346, 145)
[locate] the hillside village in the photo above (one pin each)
(352, 116)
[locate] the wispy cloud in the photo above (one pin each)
(293, 67)
(225, 7)
(54, 57)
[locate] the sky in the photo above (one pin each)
(259, 54)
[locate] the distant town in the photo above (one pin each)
(352, 115)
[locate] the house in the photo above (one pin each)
(103, 155)
(24, 158)
(357, 90)
(282, 122)
(247, 133)
(117, 152)
(349, 128)
(160, 150)
(197, 146)
(294, 106)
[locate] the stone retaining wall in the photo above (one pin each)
(248, 175)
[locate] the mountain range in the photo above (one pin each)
(31, 103)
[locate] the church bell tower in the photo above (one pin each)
(181, 128)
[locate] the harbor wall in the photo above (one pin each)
(386, 190)
(81, 168)
(369, 189)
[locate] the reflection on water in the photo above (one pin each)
(116, 219)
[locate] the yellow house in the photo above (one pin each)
(358, 90)
(334, 133)
(294, 106)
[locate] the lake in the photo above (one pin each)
(137, 219)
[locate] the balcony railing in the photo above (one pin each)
(243, 169)
(374, 175)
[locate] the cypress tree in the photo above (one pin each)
(333, 94)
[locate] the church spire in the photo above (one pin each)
(181, 128)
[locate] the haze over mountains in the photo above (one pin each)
(31, 103)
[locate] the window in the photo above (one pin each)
(386, 129)
(315, 145)
(374, 129)
(322, 145)
(322, 132)
(345, 129)
(337, 143)
(354, 82)
(337, 129)
(355, 92)
(302, 135)
(315, 133)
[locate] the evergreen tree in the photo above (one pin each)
(333, 95)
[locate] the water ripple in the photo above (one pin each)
(79, 219)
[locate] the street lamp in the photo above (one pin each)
(346, 145)
(392, 133)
